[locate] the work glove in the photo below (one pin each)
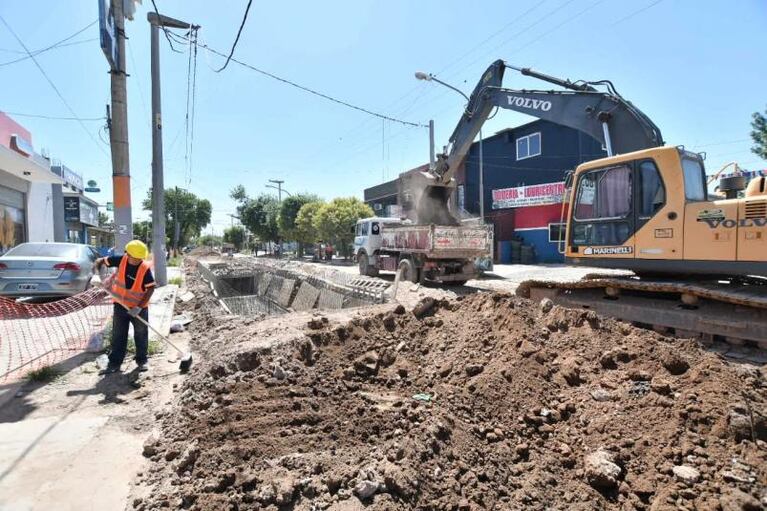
(134, 311)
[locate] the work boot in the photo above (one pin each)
(143, 367)
(109, 370)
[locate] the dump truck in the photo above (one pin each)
(421, 252)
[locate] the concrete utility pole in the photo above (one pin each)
(118, 138)
(158, 187)
(431, 144)
(278, 182)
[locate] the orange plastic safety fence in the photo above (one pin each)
(35, 335)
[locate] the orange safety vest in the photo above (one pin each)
(130, 297)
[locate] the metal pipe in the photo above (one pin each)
(608, 142)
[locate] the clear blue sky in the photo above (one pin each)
(698, 69)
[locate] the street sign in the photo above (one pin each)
(92, 189)
(108, 33)
(110, 206)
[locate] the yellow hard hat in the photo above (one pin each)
(137, 249)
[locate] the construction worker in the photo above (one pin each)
(131, 288)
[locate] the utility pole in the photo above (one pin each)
(431, 144)
(177, 227)
(158, 187)
(118, 137)
(278, 182)
(481, 180)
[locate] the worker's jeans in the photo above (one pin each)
(120, 324)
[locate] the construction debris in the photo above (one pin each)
(539, 407)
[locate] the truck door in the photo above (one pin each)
(603, 218)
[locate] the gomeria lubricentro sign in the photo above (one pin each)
(532, 195)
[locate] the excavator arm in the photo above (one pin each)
(603, 115)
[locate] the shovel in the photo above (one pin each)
(186, 357)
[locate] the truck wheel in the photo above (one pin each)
(364, 266)
(408, 271)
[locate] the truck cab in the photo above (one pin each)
(367, 241)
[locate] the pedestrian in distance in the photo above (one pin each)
(131, 288)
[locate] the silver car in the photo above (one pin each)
(46, 269)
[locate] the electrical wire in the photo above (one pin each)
(312, 91)
(194, 103)
(236, 39)
(164, 29)
(54, 45)
(53, 86)
(58, 46)
(54, 118)
(638, 11)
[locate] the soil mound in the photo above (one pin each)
(484, 402)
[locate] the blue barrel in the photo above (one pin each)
(504, 252)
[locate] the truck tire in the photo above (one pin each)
(408, 271)
(364, 266)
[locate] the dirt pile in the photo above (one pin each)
(484, 402)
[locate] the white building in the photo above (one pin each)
(26, 188)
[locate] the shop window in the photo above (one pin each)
(528, 146)
(557, 232)
(652, 194)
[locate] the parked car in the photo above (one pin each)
(46, 269)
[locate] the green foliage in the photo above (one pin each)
(193, 213)
(335, 221)
(289, 209)
(235, 235)
(209, 240)
(259, 215)
(176, 281)
(143, 231)
(174, 261)
(154, 347)
(43, 375)
(305, 231)
(759, 134)
(104, 219)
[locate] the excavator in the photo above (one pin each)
(693, 264)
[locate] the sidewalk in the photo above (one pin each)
(75, 443)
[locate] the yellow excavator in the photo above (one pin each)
(697, 263)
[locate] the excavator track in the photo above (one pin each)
(733, 312)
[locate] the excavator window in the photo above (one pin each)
(652, 194)
(603, 207)
(694, 179)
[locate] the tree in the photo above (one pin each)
(104, 219)
(305, 231)
(259, 215)
(335, 221)
(142, 230)
(235, 235)
(759, 134)
(209, 240)
(193, 214)
(286, 221)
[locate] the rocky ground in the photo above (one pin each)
(486, 401)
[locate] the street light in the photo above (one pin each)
(428, 77)
(280, 190)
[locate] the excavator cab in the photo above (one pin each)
(649, 211)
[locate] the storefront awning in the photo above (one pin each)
(26, 167)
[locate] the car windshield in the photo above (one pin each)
(44, 250)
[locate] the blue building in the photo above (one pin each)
(524, 172)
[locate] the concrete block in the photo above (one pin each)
(306, 297)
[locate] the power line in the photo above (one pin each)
(638, 11)
(164, 29)
(236, 39)
(312, 91)
(54, 45)
(38, 52)
(54, 118)
(53, 86)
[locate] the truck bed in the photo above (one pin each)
(438, 241)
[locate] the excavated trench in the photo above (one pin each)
(271, 290)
